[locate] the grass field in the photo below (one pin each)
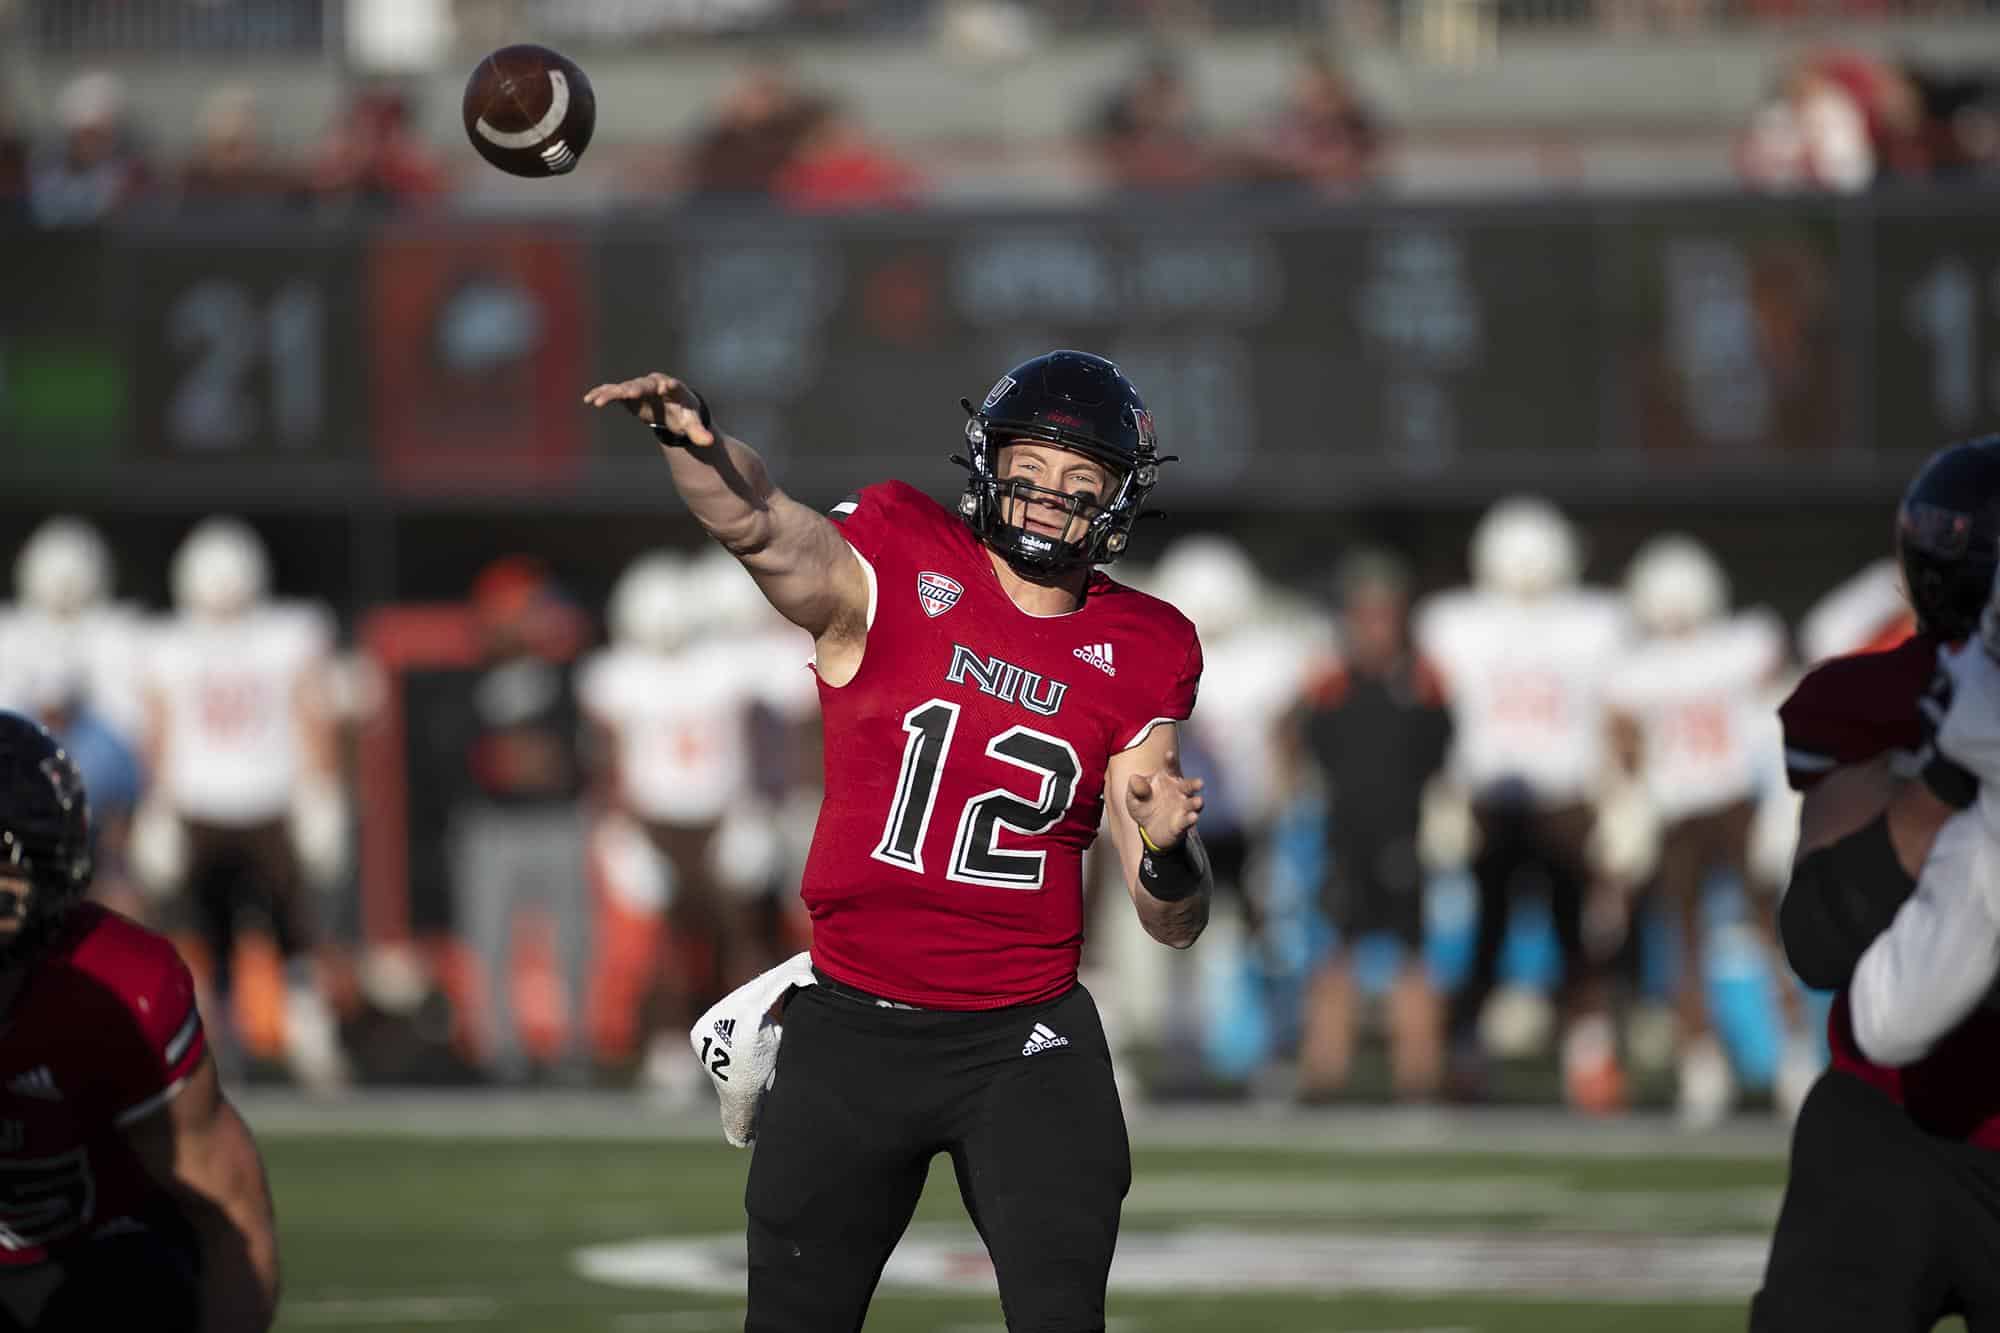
(537, 1214)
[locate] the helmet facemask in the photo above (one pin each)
(1108, 521)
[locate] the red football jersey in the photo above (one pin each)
(104, 1033)
(965, 763)
(1846, 711)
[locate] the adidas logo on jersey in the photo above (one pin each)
(725, 1028)
(1098, 655)
(38, 1083)
(1041, 1039)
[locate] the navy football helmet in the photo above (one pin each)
(1948, 536)
(44, 828)
(1075, 401)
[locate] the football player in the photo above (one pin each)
(65, 625)
(131, 1194)
(986, 692)
(1888, 1222)
(1684, 703)
(675, 707)
(245, 818)
(1525, 656)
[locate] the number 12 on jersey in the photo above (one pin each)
(932, 727)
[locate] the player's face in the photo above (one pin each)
(1053, 469)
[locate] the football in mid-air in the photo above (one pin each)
(529, 111)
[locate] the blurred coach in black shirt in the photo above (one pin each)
(1376, 727)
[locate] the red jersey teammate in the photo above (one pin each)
(131, 1195)
(986, 693)
(1889, 1220)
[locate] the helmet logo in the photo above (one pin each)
(1143, 420)
(937, 594)
(997, 392)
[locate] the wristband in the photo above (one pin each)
(1178, 872)
(1949, 781)
(673, 441)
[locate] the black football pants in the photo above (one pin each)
(865, 1097)
(1885, 1228)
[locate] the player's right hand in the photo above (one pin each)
(659, 400)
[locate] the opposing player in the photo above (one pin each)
(131, 1195)
(246, 812)
(1526, 655)
(1684, 703)
(985, 693)
(1887, 1222)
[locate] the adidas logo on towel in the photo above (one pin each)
(725, 1028)
(1098, 655)
(1041, 1039)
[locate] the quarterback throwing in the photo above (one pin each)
(988, 697)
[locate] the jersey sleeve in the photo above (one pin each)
(877, 518)
(597, 686)
(1851, 709)
(1175, 702)
(160, 1043)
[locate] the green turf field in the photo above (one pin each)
(490, 1223)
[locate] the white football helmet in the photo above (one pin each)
(1525, 548)
(1211, 579)
(65, 568)
(1674, 585)
(221, 570)
(653, 604)
(727, 599)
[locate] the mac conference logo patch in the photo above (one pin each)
(937, 593)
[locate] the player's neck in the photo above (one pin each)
(1056, 596)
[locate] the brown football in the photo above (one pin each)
(529, 111)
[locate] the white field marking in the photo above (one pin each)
(393, 1310)
(1112, 1324)
(1335, 1198)
(1377, 1131)
(679, 1321)
(1521, 1265)
(550, 122)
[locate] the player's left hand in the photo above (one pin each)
(1163, 803)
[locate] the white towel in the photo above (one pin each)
(737, 1044)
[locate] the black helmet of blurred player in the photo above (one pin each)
(44, 832)
(1074, 401)
(1948, 535)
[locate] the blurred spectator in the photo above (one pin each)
(231, 166)
(1375, 725)
(520, 898)
(1811, 134)
(1962, 115)
(1146, 135)
(373, 158)
(758, 123)
(94, 169)
(835, 167)
(1321, 137)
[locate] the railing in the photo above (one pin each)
(145, 27)
(113, 27)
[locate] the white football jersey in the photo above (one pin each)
(229, 693)
(1700, 703)
(1526, 681)
(1250, 678)
(98, 650)
(680, 722)
(1865, 609)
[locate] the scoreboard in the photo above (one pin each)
(1297, 356)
